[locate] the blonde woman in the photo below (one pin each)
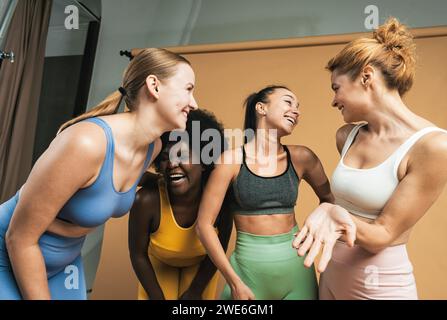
(88, 174)
(388, 176)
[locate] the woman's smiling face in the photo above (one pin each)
(181, 169)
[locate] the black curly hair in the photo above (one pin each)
(207, 120)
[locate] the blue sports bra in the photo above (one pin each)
(95, 204)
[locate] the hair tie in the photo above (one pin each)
(122, 91)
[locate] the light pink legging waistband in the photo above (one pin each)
(355, 273)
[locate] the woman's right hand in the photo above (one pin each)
(322, 228)
(240, 291)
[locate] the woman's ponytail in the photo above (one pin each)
(159, 62)
(250, 122)
(108, 106)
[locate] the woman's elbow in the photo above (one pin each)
(382, 238)
(377, 245)
(139, 257)
(12, 240)
(201, 228)
(373, 249)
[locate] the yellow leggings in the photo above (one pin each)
(175, 280)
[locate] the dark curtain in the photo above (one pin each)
(20, 86)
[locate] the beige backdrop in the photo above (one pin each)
(226, 75)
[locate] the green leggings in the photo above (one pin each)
(271, 268)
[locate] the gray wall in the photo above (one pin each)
(156, 23)
(224, 21)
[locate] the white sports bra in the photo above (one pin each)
(364, 192)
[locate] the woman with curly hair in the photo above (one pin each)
(167, 256)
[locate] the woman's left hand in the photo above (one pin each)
(326, 224)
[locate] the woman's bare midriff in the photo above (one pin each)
(66, 229)
(265, 224)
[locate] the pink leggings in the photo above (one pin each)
(356, 274)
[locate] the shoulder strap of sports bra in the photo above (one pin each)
(165, 205)
(289, 157)
(110, 149)
(289, 160)
(351, 138)
(287, 152)
(243, 154)
(406, 146)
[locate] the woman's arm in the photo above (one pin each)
(312, 171)
(71, 162)
(333, 224)
(424, 181)
(207, 269)
(416, 192)
(210, 205)
(142, 218)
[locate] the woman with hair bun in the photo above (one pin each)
(387, 178)
(166, 254)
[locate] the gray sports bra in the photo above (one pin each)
(256, 195)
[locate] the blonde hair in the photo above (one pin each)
(391, 49)
(154, 61)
